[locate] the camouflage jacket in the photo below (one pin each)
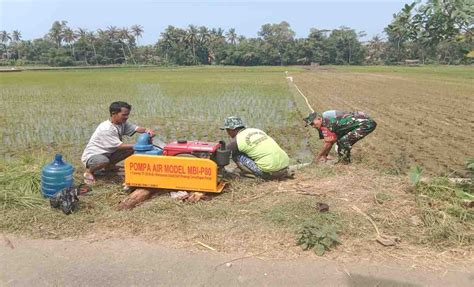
(343, 123)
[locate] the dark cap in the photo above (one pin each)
(310, 118)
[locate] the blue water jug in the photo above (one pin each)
(56, 176)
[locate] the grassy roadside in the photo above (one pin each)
(255, 216)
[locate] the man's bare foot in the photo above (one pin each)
(89, 178)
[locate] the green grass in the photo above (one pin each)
(59, 110)
(294, 214)
(442, 211)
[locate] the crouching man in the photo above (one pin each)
(343, 128)
(105, 147)
(255, 152)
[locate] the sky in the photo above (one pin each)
(34, 18)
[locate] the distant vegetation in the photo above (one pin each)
(436, 31)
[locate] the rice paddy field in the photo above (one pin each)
(59, 110)
(424, 117)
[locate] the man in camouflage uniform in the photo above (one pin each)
(255, 152)
(345, 128)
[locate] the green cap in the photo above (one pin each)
(310, 118)
(232, 123)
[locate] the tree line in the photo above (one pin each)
(437, 31)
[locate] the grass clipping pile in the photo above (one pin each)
(20, 185)
(256, 216)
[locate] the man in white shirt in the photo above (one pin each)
(105, 147)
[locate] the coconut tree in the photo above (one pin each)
(203, 35)
(169, 40)
(81, 34)
(56, 32)
(231, 36)
(191, 39)
(16, 38)
(127, 38)
(122, 36)
(69, 37)
(112, 32)
(90, 37)
(4, 38)
(137, 31)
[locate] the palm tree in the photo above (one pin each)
(112, 32)
(102, 34)
(231, 36)
(16, 37)
(122, 34)
(191, 39)
(69, 37)
(81, 33)
(204, 35)
(137, 31)
(82, 36)
(126, 38)
(220, 32)
(169, 40)
(56, 32)
(90, 36)
(4, 38)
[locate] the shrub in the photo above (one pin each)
(318, 238)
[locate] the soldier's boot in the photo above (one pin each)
(344, 155)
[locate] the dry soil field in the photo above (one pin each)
(424, 114)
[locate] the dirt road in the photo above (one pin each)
(132, 262)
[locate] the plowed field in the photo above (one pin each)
(424, 115)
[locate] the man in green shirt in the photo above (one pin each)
(254, 151)
(345, 128)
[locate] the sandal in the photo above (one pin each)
(88, 178)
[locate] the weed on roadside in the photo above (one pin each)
(445, 209)
(318, 238)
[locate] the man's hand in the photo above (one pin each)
(145, 130)
(323, 153)
(150, 132)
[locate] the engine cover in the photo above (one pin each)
(190, 147)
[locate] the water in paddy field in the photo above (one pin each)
(199, 117)
(43, 115)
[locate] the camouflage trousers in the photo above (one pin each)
(246, 164)
(366, 126)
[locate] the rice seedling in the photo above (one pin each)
(61, 109)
